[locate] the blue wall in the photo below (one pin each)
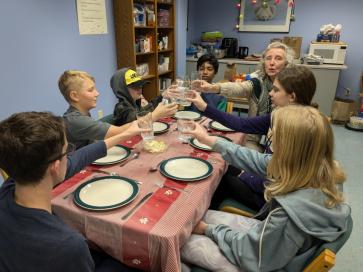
(39, 40)
(181, 36)
(210, 15)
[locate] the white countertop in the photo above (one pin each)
(241, 61)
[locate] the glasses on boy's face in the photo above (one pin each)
(69, 152)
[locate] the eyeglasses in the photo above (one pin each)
(69, 152)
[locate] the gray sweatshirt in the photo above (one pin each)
(294, 225)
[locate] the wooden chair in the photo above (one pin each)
(3, 174)
(238, 103)
(232, 206)
(108, 119)
(324, 258)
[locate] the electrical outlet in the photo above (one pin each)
(347, 91)
(100, 114)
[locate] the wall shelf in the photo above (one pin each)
(130, 38)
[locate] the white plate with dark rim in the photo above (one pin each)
(218, 126)
(186, 168)
(160, 127)
(192, 115)
(105, 193)
(114, 155)
(196, 144)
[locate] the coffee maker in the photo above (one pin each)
(230, 45)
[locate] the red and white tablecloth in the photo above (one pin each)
(151, 238)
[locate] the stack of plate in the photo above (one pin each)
(160, 127)
(186, 168)
(192, 115)
(114, 155)
(195, 143)
(105, 193)
(218, 126)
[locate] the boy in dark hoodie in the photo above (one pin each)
(127, 86)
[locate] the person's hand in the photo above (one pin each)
(134, 129)
(205, 87)
(200, 228)
(162, 111)
(171, 92)
(196, 99)
(201, 134)
(144, 102)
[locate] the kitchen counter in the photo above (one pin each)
(251, 62)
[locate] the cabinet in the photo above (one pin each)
(145, 40)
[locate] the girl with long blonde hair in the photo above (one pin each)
(305, 206)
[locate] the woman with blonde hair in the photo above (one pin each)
(305, 206)
(275, 58)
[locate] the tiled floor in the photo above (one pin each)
(349, 152)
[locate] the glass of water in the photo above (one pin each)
(145, 121)
(184, 126)
(182, 95)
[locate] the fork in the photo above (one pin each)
(105, 172)
(162, 185)
(135, 156)
(68, 195)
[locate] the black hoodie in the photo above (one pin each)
(126, 108)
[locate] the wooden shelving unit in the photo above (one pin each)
(127, 32)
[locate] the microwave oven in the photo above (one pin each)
(332, 53)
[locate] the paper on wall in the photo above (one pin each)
(91, 17)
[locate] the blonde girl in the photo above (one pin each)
(305, 206)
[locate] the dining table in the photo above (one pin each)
(150, 237)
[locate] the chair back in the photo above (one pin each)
(108, 119)
(3, 174)
(324, 258)
(232, 206)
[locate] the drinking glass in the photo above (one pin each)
(182, 94)
(184, 126)
(144, 120)
(194, 84)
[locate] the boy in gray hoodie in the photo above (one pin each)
(127, 86)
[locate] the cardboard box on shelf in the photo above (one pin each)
(294, 43)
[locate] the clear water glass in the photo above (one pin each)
(144, 120)
(181, 98)
(184, 126)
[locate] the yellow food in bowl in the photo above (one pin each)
(155, 146)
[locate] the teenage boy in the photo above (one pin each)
(207, 68)
(79, 90)
(33, 151)
(127, 86)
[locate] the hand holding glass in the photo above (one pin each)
(144, 121)
(185, 126)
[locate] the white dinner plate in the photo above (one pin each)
(105, 193)
(115, 154)
(186, 168)
(218, 126)
(195, 143)
(160, 127)
(188, 115)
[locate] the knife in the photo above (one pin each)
(142, 200)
